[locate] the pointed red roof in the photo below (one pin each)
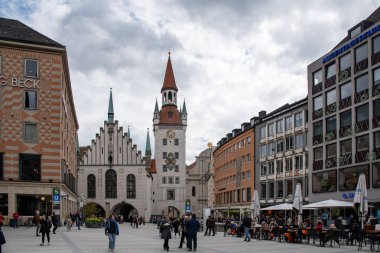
(169, 81)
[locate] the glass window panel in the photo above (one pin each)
(331, 150)
(362, 113)
(361, 83)
(376, 44)
(331, 71)
(279, 126)
(324, 181)
(345, 62)
(348, 178)
(30, 99)
(377, 139)
(318, 154)
(345, 119)
(30, 167)
(376, 108)
(317, 77)
(288, 123)
(271, 129)
(318, 128)
(331, 124)
(331, 97)
(346, 147)
(376, 77)
(317, 103)
(263, 132)
(362, 143)
(345, 90)
(111, 184)
(298, 119)
(355, 32)
(30, 134)
(361, 53)
(31, 68)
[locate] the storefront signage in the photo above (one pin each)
(352, 43)
(348, 195)
(56, 195)
(20, 82)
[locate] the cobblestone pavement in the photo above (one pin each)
(145, 239)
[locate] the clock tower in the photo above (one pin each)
(169, 126)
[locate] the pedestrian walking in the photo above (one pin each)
(37, 221)
(135, 222)
(78, 220)
(45, 229)
(175, 224)
(212, 224)
(247, 226)
(184, 221)
(192, 229)
(131, 220)
(166, 233)
(15, 219)
(1, 219)
(208, 226)
(69, 223)
(111, 230)
(2, 239)
(54, 221)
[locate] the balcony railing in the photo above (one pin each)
(331, 162)
(360, 66)
(317, 88)
(361, 96)
(362, 126)
(330, 81)
(376, 121)
(375, 58)
(362, 156)
(317, 113)
(345, 131)
(344, 74)
(345, 102)
(330, 136)
(331, 108)
(345, 159)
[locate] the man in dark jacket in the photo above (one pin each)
(184, 221)
(166, 233)
(192, 230)
(212, 226)
(208, 226)
(111, 230)
(247, 226)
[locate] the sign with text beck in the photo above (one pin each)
(19, 82)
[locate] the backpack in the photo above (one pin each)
(111, 227)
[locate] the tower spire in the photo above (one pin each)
(169, 80)
(156, 110)
(110, 108)
(184, 111)
(148, 150)
(129, 134)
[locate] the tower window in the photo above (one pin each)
(164, 142)
(31, 68)
(170, 114)
(30, 99)
(176, 142)
(164, 97)
(170, 97)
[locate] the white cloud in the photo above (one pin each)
(231, 59)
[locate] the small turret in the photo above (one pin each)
(110, 109)
(184, 114)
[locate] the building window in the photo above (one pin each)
(355, 32)
(299, 162)
(263, 169)
(279, 166)
(171, 194)
(262, 133)
(271, 190)
(376, 143)
(289, 187)
(1, 166)
(345, 91)
(318, 103)
(331, 97)
(270, 168)
(330, 70)
(279, 126)
(324, 182)
(111, 184)
(249, 141)
(176, 155)
(376, 45)
(362, 118)
(280, 146)
(298, 141)
(288, 123)
(248, 158)
(193, 191)
(376, 175)
(163, 180)
(289, 143)
(170, 114)
(348, 177)
(331, 150)
(361, 88)
(318, 159)
(263, 149)
(31, 68)
(288, 164)
(298, 119)
(271, 148)
(164, 155)
(131, 186)
(362, 143)
(91, 182)
(280, 189)
(263, 190)
(177, 180)
(30, 167)
(171, 180)
(164, 142)
(317, 77)
(376, 81)
(361, 53)
(345, 123)
(164, 168)
(30, 132)
(330, 128)
(176, 142)
(270, 130)
(249, 174)
(345, 62)
(346, 147)
(176, 168)
(30, 99)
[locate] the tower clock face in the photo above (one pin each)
(170, 133)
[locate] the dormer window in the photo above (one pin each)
(356, 31)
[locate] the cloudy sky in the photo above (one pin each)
(231, 59)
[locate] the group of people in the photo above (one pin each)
(44, 222)
(187, 228)
(135, 221)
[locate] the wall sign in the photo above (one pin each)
(20, 82)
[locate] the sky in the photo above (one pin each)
(231, 59)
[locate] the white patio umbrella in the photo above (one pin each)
(361, 198)
(330, 203)
(255, 206)
(298, 202)
(280, 207)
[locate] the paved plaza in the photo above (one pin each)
(145, 239)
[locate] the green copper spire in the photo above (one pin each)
(148, 150)
(184, 111)
(110, 108)
(156, 110)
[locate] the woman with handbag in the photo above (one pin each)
(166, 233)
(45, 229)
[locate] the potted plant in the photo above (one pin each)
(94, 222)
